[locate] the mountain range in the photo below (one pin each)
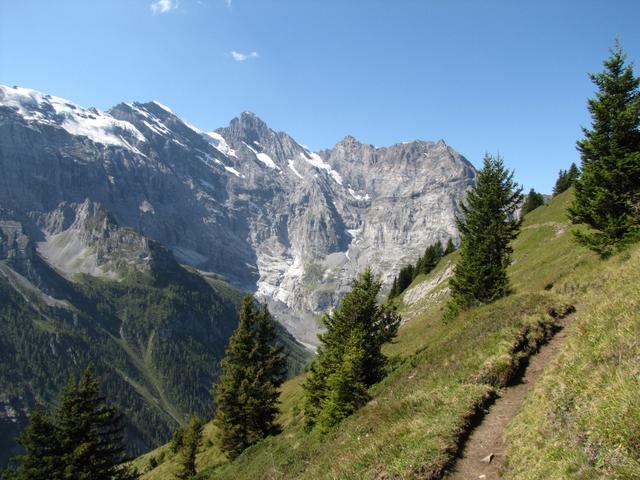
(128, 237)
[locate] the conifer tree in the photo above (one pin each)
(246, 394)
(190, 441)
(43, 458)
(349, 358)
(607, 195)
(566, 179)
(91, 433)
(346, 389)
(405, 277)
(431, 257)
(83, 441)
(532, 201)
(394, 289)
(487, 228)
(450, 248)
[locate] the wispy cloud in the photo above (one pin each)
(164, 6)
(241, 57)
(227, 3)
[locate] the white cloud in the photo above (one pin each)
(241, 57)
(164, 6)
(227, 3)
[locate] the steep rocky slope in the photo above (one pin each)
(244, 201)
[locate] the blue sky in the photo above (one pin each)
(505, 76)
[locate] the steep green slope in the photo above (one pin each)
(154, 340)
(583, 418)
(441, 374)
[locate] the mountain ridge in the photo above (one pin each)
(243, 201)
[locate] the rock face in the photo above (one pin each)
(243, 201)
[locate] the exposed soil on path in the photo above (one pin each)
(488, 437)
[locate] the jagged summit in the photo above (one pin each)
(243, 201)
(248, 127)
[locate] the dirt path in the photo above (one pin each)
(488, 437)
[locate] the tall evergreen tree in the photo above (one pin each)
(487, 228)
(91, 434)
(349, 358)
(450, 248)
(566, 179)
(190, 441)
(394, 288)
(607, 194)
(43, 459)
(532, 201)
(83, 441)
(345, 385)
(246, 394)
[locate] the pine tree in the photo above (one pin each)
(450, 248)
(394, 289)
(566, 179)
(346, 389)
(190, 441)
(405, 277)
(83, 441)
(349, 357)
(91, 434)
(532, 201)
(487, 229)
(246, 394)
(43, 457)
(431, 257)
(607, 195)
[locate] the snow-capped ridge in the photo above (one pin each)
(220, 143)
(100, 127)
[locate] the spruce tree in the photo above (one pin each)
(246, 394)
(91, 434)
(450, 248)
(487, 227)
(607, 194)
(43, 459)
(350, 357)
(532, 201)
(345, 386)
(83, 441)
(394, 289)
(405, 277)
(566, 179)
(190, 441)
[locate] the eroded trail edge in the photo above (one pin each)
(483, 452)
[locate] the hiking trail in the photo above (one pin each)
(488, 437)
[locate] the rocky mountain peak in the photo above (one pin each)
(249, 128)
(349, 142)
(244, 201)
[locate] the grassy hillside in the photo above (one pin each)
(154, 340)
(583, 419)
(440, 376)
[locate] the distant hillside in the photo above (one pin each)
(153, 330)
(443, 373)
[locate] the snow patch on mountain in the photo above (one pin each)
(164, 107)
(263, 157)
(315, 160)
(100, 127)
(220, 143)
(292, 166)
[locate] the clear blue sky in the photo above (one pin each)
(505, 76)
